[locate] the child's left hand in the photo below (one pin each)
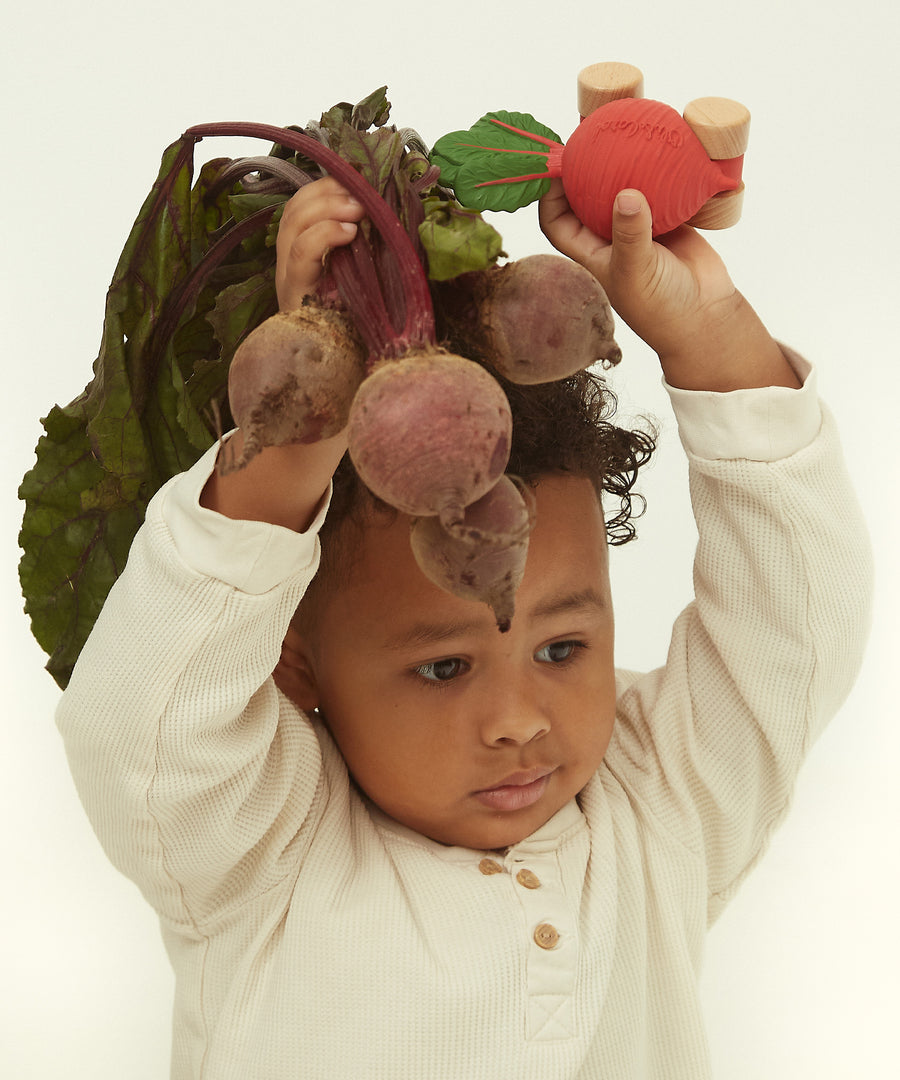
(674, 292)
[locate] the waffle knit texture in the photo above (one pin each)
(312, 937)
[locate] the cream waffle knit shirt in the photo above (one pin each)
(314, 938)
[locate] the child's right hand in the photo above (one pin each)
(319, 217)
(675, 293)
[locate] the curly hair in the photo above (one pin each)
(558, 427)
(565, 427)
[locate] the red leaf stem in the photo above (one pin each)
(418, 329)
(354, 274)
(528, 134)
(516, 179)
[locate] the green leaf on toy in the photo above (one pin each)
(500, 163)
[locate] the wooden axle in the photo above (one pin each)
(721, 125)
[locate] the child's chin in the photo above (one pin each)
(500, 832)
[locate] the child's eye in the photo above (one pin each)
(440, 670)
(558, 652)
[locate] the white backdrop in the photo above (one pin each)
(801, 974)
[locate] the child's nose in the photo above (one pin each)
(513, 715)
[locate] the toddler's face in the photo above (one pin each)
(469, 736)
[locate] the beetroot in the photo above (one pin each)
(482, 556)
(535, 320)
(293, 378)
(430, 433)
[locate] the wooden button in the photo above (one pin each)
(546, 936)
(488, 866)
(528, 880)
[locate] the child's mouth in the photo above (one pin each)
(516, 795)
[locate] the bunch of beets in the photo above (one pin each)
(429, 431)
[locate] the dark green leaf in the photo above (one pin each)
(374, 154)
(372, 111)
(243, 205)
(75, 537)
(238, 309)
(338, 115)
(136, 424)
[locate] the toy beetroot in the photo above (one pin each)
(688, 167)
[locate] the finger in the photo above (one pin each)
(553, 205)
(566, 232)
(299, 265)
(319, 217)
(318, 201)
(311, 206)
(557, 219)
(632, 253)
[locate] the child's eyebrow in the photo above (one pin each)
(426, 633)
(583, 600)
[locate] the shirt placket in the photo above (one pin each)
(550, 930)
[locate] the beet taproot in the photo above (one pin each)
(430, 433)
(482, 556)
(535, 320)
(294, 377)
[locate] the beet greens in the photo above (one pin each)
(196, 275)
(193, 296)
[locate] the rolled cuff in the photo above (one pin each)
(252, 556)
(765, 424)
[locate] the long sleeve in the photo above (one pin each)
(196, 773)
(710, 745)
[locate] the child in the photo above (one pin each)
(425, 849)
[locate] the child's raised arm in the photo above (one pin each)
(285, 484)
(674, 293)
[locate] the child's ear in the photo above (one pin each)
(294, 674)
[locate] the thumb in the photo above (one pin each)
(632, 234)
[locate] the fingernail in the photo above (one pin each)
(628, 202)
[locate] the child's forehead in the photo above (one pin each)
(566, 501)
(372, 561)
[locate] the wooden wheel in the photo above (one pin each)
(723, 128)
(721, 125)
(605, 82)
(721, 211)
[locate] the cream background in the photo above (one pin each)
(801, 976)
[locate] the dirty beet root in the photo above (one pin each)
(535, 320)
(482, 555)
(430, 433)
(293, 378)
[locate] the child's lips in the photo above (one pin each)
(517, 791)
